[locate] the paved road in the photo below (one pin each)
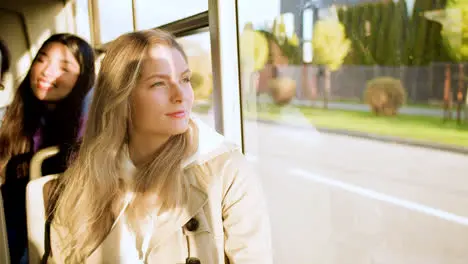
(341, 200)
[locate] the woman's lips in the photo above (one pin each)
(44, 85)
(178, 114)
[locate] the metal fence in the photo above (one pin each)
(423, 84)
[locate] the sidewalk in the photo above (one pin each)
(405, 110)
(388, 139)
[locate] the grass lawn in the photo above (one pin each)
(416, 105)
(430, 129)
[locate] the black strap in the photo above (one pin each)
(50, 216)
(47, 248)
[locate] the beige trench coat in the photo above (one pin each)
(226, 220)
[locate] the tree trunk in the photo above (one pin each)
(460, 92)
(447, 94)
(327, 86)
(306, 94)
(466, 106)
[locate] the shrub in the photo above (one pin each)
(385, 95)
(282, 90)
(197, 80)
(202, 86)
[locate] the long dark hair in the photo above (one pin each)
(23, 116)
(5, 62)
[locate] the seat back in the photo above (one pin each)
(35, 167)
(36, 204)
(4, 251)
(32, 201)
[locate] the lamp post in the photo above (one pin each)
(305, 5)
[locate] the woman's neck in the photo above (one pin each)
(142, 146)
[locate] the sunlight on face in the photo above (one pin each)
(163, 98)
(54, 73)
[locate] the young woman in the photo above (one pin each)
(46, 111)
(150, 184)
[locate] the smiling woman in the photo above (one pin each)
(46, 111)
(54, 73)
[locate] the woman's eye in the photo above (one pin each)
(65, 70)
(186, 80)
(157, 84)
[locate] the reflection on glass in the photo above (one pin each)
(154, 13)
(322, 97)
(198, 51)
(115, 17)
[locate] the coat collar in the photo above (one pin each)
(210, 145)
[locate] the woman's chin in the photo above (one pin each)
(40, 94)
(179, 127)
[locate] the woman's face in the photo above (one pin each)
(54, 72)
(163, 97)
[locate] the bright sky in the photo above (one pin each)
(257, 11)
(247, 10)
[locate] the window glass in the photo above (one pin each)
(154, 13)
(198, 51)
(83, 28)
(354, 113)
(115, 17)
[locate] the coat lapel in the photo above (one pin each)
(198, 180)
(198, 177)
(197, 199)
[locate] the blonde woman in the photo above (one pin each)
(150, 183)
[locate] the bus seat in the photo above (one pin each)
(36, 202)
(35, 169)
(4, 252)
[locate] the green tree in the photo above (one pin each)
(454, 21)
(377, 10)
(396, 34)
(383, 38)
(289, 45)
(329, 46)
(384, 34)
(424, 44)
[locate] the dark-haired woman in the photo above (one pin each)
(46, 111)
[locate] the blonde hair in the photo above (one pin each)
(91, 188)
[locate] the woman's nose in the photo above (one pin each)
(177, 93)
(50, 70)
